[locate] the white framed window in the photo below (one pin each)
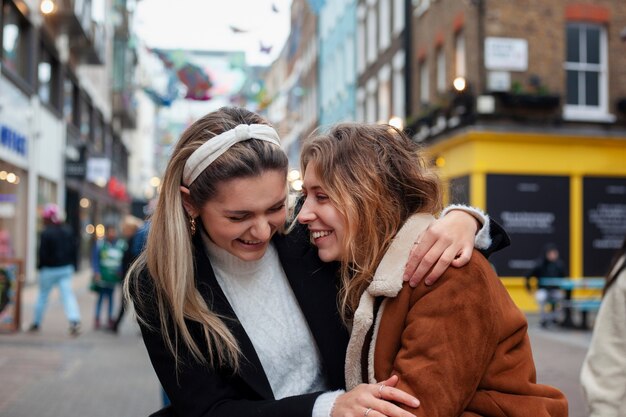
(398, 94)
(384, 30)
(586, 66)
(360, 39)
(349, 56)
(424, 83)
(360, 105)
(384, 94)
(370, 105)
(441, 70)
(372, 25)
(459, 55)
(398, 16)
(398, 97)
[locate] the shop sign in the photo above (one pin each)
(13, 141)
(534, 210)
(506, 54)
(99, 170)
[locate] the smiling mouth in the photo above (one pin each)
(250, 242)
(320, 234)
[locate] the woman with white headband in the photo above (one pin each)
(239, 318)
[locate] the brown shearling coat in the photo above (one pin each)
(460, 346)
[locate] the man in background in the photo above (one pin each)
(56, 258)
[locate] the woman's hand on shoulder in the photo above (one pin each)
(447, 241)
(374, 400)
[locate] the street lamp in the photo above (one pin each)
(47, 6)
(459, 84)
(396, 122)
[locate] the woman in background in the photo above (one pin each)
(603, 374)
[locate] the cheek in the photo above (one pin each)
(279, 218)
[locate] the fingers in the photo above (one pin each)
(440, 265)
(417, 266)
(391, 381)
(388, 410)
(441, 252)
(398, 396)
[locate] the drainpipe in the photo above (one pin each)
(408, 59)
(482, 72)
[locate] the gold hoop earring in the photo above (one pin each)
(192, 225)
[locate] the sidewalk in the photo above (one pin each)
(50, 374)
(559, 354)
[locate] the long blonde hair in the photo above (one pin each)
(169, 254)
(376, 178)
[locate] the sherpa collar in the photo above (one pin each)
(387, 282)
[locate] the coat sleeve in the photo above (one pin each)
(448, 338)
(603, 374)
(195, 389)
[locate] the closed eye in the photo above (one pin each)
(277, 208)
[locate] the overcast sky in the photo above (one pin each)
(206, 25)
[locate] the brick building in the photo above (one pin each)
(522, 105)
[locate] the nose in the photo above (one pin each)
(306, 214)
(262, 229)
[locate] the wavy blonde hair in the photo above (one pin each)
(169, 254)
(376, 178)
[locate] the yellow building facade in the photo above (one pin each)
(478, 156)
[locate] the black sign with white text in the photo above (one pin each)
(534, 210)
(604, 222)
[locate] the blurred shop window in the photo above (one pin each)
(98, 132)
(70, 100)
(16, 33)
(424, 83)
(13, 197)
(459, 55)
(586, 68)
(85, 117)
(48, 72)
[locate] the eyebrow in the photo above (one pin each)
(241, 212)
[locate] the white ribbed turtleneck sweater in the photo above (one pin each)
(265, 305)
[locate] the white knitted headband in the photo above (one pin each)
(210, 150)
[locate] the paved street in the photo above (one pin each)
(50, 374)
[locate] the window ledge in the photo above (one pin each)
(587, 115)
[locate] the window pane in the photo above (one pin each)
(572, 87)
(593, 45)
(11, 33)
(592, 89)
(573, 47)
(44, 75)
(68, 100)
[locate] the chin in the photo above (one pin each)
(326, 256)
(250, 256)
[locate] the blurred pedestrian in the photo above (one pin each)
(56, 259)
(134, 231)
(603, 374)
(460, 346)
(548, 296)
(106, 262)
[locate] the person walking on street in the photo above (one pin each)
(135, 233)
(107, 269)
(603, 375)
(56, 260)
(549, 266)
